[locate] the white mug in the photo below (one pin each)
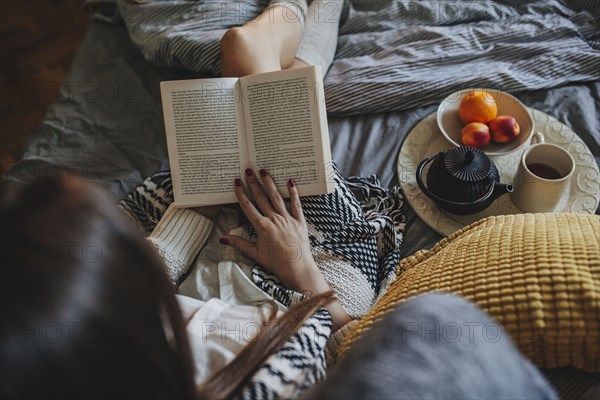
(543, 176)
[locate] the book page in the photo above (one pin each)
(205, 139)
(286, 127)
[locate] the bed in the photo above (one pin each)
(396, 60)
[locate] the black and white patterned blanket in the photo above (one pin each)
(356, 244)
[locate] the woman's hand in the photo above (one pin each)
(282, 246)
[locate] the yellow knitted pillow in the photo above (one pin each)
(536, 274)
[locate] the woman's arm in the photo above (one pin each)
(282, 246)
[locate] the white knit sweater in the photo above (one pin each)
(178, 238)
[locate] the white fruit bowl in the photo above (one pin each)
(450, 125)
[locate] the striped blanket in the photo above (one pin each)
(394, 54)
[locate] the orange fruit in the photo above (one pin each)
(477, 106)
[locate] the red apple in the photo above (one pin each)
(475, 134)
(504, 129)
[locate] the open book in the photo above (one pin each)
(216, 128)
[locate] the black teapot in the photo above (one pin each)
(462, 180)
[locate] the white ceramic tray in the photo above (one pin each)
(425, 139)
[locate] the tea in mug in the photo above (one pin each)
(544, 171)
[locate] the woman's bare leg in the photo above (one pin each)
(267, 43)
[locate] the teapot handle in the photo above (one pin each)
(438, 199)
(420, 169)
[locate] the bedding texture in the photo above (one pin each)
(395, 55)
(395, 61)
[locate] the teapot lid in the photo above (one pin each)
(467, 163)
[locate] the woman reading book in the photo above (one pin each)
(111, 326)
(75, 212)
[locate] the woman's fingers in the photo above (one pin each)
(247, 207)
(247, 248)
(272, 193)
(270, 203)
(259, 196)
(295, 205)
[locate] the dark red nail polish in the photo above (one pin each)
(238, 182)
(223, 240)
(249, 172)
(291, 183)
(264, 173)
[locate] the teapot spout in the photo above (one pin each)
(500, 189)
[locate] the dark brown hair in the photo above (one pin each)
(87, 310)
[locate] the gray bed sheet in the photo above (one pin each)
(107, 125)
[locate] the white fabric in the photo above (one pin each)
(203, 280)
(237, 288)
(185, 238)
(220, 271)
(218, 331)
